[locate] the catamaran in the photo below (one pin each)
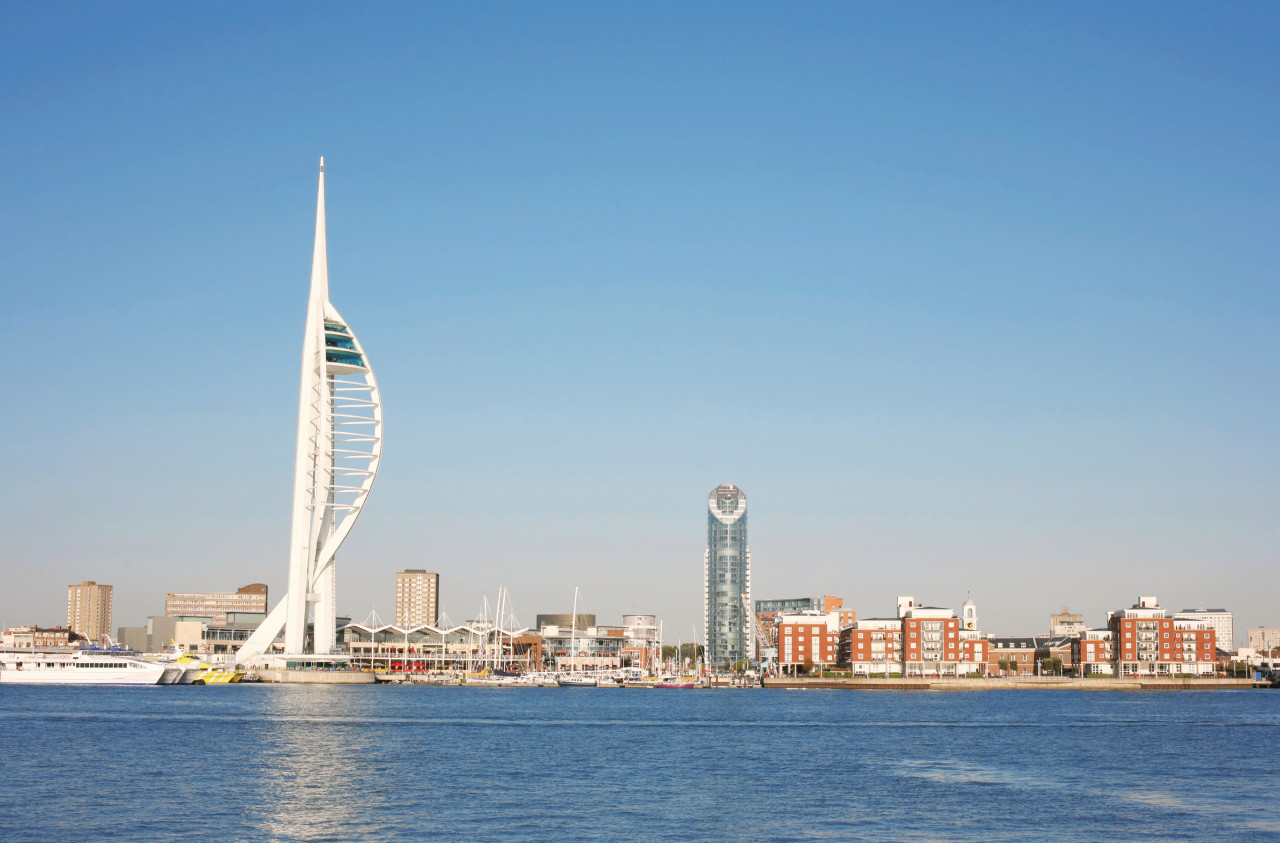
(84, 667)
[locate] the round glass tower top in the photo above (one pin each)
(727, 503)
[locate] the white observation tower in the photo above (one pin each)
(338, 450)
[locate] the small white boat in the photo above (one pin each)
(576, 681)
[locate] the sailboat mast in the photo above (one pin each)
(573, 633)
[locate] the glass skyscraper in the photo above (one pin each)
(727, 573)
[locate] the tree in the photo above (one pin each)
(1053, 664)
(1008, 665)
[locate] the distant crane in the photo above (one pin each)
(767, 650)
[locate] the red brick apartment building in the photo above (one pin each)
(1093, 654)
(873, 645)
(973, 652)
(808, 642)
(930, 641)
(828, 610)
(921, 641)
(1147, 642)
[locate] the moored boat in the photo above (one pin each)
(572, 681)
(79, 667)
(674, 682)
(199, 672)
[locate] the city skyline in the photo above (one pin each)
(970, 301)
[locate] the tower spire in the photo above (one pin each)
(320, 254)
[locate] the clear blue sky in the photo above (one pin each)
(971, 297)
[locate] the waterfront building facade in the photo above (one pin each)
(808, 641)
(873, 646)
(89, 610)
(920, 641)
(727, 578)
(417, 598)
(641, 645)
(589, 648)
(1011, 656)
(769, 612)
(37, 637)
(1147, 642)
(931, 642)
(216, 605)
(336, 458)
(469, 647)
(973, 654)
(1093, 653)
(1220, 620)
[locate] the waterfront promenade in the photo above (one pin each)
(1055, 683)
(1033, 683)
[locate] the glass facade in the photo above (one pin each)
(728, 577)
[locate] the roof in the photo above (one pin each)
(405, 630)
(1014, 643)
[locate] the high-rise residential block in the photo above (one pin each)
(417, 598)
(89, 609)
(727, 577)
(1264, 637)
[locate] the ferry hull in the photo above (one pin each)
(80, 668)
(77, 677)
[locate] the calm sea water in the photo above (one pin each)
(416, 763)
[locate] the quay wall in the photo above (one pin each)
(314, 677)
(1026, 683)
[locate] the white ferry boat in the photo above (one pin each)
(81, 667)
